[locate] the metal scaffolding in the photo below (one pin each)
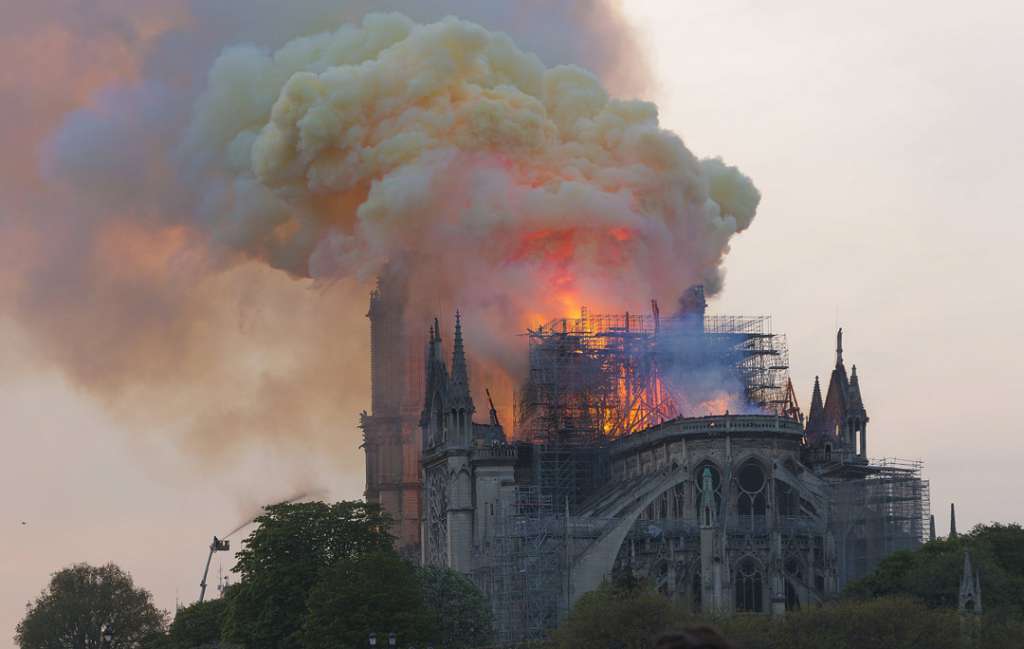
(522, 572)
(600, 377)
(760, 357)
(885, 511)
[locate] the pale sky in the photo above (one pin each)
(885, 139)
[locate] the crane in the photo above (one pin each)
(218, 545)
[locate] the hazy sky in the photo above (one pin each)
(885, 140)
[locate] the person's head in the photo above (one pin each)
(701, 637)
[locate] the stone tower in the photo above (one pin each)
(448, 440)
(391, 434)
(838, 425)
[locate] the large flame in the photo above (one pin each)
(607, 376)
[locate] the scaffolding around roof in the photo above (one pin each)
(600, 377)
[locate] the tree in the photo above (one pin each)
(884, 623)
(200, 623)
(462, 614)
(932, 573)
(373, 593)
(72, 609)
(1000, 634)
(284, 557)
(624, 618)
(619, 615)
(1006, 543)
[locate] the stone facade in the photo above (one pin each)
(727, 514)
(737, 523)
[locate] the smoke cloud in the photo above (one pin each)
(197, 196)
(507, 188)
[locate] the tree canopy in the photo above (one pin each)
(624, 613)
(72, 610)
(462, 615)
(200, 623)
(285, 555)
(634, 618)
(316, 575)
(374, 593)
(932, 573)
(882, 623)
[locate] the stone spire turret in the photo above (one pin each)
(856, 416)
(435, 395)
(854, 403)
(970, 587)
(458, 391)
(931, 527)
(952, 520)
(816, 424)
(839, 422)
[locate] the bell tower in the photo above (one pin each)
(391, 432)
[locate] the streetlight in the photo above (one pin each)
(373, 640)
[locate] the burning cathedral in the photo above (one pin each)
(667, 447)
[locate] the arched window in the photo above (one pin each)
(677, 501)
(752, 486)
(716, 485)
(856, 428)
(749, 587)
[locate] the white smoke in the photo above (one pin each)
(137, 260)
(507, 187)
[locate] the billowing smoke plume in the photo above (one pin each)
(502, 186)
(178, 156)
